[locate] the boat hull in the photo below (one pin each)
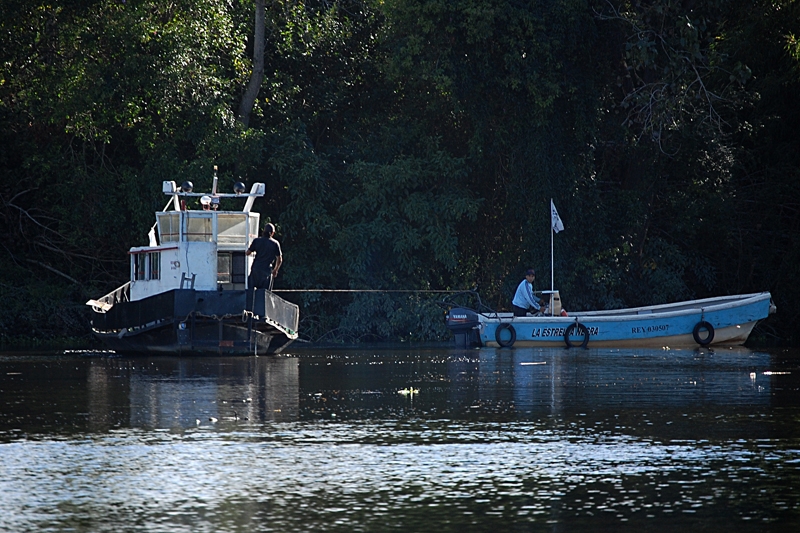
(190, 322)
(679, 325)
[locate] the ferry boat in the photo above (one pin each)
(720, 321)
(188, 293)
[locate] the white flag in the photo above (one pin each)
(152, 237)
(555, 220)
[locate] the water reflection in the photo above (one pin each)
(90, 393)
(96, 393)
(183, 393)
(423, 438)
(647, 391)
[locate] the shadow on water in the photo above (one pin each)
(382, 438)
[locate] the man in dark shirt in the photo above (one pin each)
(267, 262)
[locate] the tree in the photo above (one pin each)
(408, 145)
(257, 77)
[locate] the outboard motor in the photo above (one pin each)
(465, 325)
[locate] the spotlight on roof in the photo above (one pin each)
(238, 187)
(187, 186)
(205, 200)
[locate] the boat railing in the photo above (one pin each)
(282, 312)
(118, 295)
(468, 299)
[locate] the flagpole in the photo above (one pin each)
(552, 277)
(555, 226)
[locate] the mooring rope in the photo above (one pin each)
(364, 290)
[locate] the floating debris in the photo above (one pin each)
(408, 392)
(771, 373)
(536, 363)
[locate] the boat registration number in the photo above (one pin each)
(657, 328)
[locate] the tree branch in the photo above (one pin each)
(51, 269)
(250, 95)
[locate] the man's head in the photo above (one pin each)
(269, 230)
(530, 275)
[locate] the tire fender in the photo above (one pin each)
(505, 343)
(703, 325)
(581, 329)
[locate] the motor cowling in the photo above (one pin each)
(464, 324)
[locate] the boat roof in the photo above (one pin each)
(210, 224)
(211, 200)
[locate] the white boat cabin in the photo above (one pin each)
(196, 249)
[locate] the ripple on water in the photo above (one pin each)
(588, 440)
(323, 473)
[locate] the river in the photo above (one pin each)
(412, 438)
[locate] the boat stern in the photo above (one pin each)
(464, 324)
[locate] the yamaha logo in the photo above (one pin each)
(459, 317)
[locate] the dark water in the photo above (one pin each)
(415, 439)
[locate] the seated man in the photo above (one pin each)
(524, 300)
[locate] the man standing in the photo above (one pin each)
(524, 298)
(268, 259)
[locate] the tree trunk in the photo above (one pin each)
(249, 98)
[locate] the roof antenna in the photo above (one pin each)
(214, 186)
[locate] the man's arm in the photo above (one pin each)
(532, 300)
(278, 263)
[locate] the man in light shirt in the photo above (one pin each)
(524, 301)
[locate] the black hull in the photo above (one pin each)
(189, 322)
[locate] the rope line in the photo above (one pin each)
(364, 290)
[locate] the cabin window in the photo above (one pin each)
(140, 267)
(223, 268)
(232, 228)
(146, 266)
(238, 267)
(199, 229)
(169, 226)
(254, 218)
(231, 268)
(154, 258)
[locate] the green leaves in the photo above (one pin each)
(406, 210)
(413, 144)
(675, 72)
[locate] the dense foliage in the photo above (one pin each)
(409, 145)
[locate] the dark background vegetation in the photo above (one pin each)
(409, 145)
